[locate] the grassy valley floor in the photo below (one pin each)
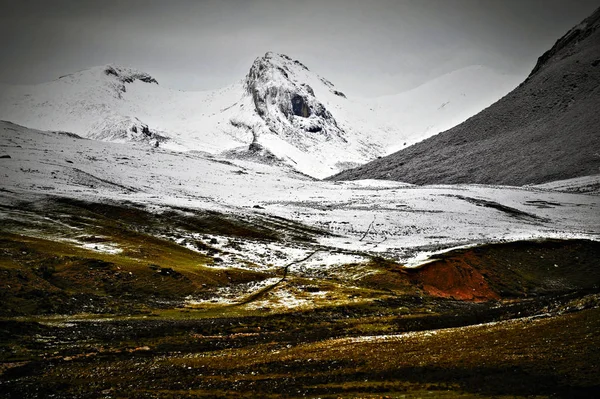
(114, 301)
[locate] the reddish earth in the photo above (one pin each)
(511, 270)
(454, 278)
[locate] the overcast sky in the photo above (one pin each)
(366, 47)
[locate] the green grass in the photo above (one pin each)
(40, 270)
(49, 269)
(45, 268)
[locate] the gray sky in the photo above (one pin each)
(366, 48)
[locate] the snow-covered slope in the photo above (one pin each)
(110, 103)
(441, 103)
(369, 217)
(280, 112)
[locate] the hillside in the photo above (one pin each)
(546, 129)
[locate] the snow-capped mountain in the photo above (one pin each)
(281, 112)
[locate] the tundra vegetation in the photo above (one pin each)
(108, 300)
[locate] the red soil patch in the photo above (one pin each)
(454, 278)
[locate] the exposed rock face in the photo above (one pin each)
(128, 75)
(546, 129)
(285, 102)
(126, 129)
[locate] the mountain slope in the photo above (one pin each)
(439, 104)
(546, 129)
(281, 112)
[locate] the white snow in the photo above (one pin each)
(94, 104)
(441, 103)
(107, 248)
(362, 218)
(248, 254)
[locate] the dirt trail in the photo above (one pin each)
(254, 296)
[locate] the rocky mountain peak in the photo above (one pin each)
(276, 66)
(283, 96)
(273, 74)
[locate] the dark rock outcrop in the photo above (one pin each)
(126, 75)
(299, 107)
